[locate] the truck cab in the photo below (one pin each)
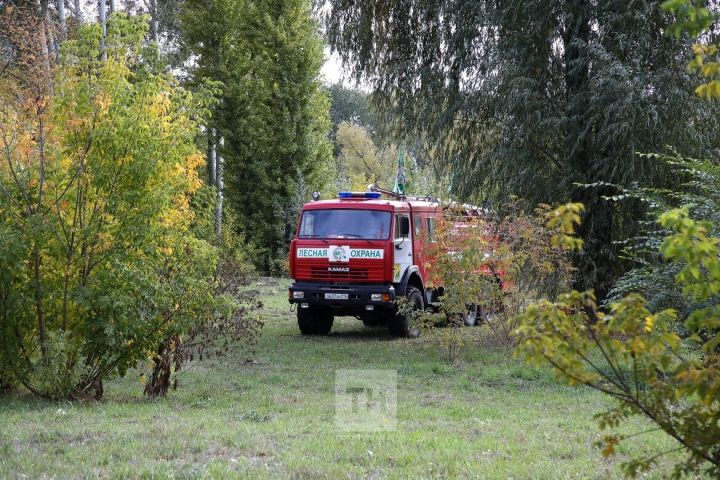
(355, 256)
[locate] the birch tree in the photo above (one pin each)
(61, 18)
(154, 21)
(220, 190)
(103, 28)
(212, 157)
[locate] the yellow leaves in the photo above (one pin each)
(649, 323)
(193, 162)
(710, 89)
(105, 241)
(701, 49)
(709, 69)
(160, 105)
(66, 162)
(563, 221)
(637, 345)
(103, 102)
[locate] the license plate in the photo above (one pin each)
(336, 296)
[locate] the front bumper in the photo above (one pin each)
(358, 296)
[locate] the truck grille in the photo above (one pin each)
(320, 273)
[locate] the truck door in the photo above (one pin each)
(403, 245)
(418, 242)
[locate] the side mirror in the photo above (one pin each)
(404, 227)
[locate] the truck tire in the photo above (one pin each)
(398, 326)
(314, 321)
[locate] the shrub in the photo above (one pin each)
(233, 318)
(636, 357)
(99, 261)
(499, 262)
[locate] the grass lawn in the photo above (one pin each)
(484, 416)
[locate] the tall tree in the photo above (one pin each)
(351, 105)
(533, 98)
(273, 113)
(360, 162)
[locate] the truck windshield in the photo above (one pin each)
(345, 223)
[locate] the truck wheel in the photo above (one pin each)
(398, 326)
(314, 321)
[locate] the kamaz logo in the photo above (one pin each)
(338, 269)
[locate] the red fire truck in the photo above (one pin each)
(355, 255)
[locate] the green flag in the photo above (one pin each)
(400, 177)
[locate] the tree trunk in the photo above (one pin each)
(43, 33)
(101, 21)
(37, 258)
(220, 190)
(168, 355)
(112, 6)
(212, 158)
(154, 20)
(78, 11)
(61, 18)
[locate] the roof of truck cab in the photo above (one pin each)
(371, 204)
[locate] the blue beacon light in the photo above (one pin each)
(374, 195)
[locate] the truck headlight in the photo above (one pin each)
(298, 294)
(376, 297)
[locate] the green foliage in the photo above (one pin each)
(691, 182)
(533, 98)
(692, 17)
(352, 106)
(272, 111)
(687, 182)
(636, 357)
(500, 263)
(695, 19)
(233, 319)
(99, 262)
(362, 125)
(360, 162)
